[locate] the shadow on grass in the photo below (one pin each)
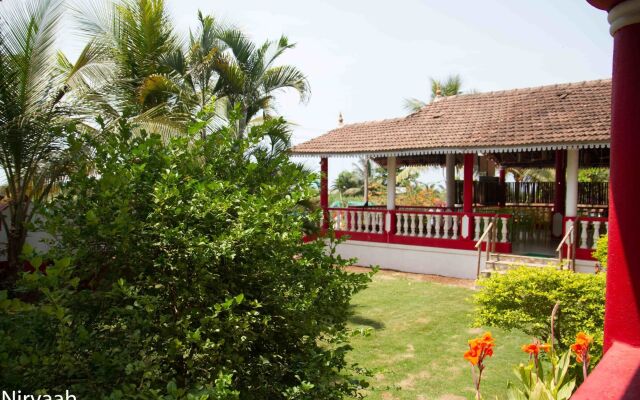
(357, 319)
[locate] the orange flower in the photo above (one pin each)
(584, 339)
(479, 348)
(472, 356)
(581, 347)
(535, 347)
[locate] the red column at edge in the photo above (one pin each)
(622, 311)
(467, 202)
(503, 188)
(559, 195)
(324, 191)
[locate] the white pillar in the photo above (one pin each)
(450, 175)
(571, 203)
(391, 183)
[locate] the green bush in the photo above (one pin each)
(602, 250)
(523, 299)
(182, 273)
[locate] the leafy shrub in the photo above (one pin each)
(602, 251)
(182, 273)
(523, 299)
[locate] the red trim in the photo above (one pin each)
(604, 4)
(622, 313)
(324, 190)
(581, 254)
(502, 176)
(468, 183)
(391, 237)
(616, 376)
(459, 244)
(561, 182)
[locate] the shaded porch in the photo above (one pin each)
(531, 217)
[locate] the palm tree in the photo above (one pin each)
(36, 102)
(249, 78)
(136, 41)
(448, 87)
(347, 183)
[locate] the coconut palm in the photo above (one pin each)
(347, 183)
(448, 87)
(36, 110)
(249, 78)
(135, 40)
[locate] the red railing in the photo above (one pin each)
(411, 226)
(588, 231)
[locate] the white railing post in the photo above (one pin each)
(358, 221)
(455, 228)
(446, 226)
(596, 233)
(505, 229)
(413, 225)
(420, 225)
(476, 223)
(387, 224)
(428, 225)
(583, 234)
(398, 223)
(437, 232)
(365, 215)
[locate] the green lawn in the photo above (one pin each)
(419, 333)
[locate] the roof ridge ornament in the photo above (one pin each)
(340, 119)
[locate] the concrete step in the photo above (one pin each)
(514, 258)
(499, 263)
(507, 265)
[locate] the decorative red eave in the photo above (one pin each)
(616, 377)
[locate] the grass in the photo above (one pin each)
(419, 331)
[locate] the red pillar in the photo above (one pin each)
(503, 187)
(622, 315)
(467, 203)
(324, 191)
(559, 195)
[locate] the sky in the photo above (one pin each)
(363, 58)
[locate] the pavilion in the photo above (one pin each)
(564, 126)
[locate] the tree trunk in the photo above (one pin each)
(16, 237)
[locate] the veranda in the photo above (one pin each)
(484, 135)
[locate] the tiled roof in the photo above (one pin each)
(546, 117)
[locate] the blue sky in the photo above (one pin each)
(364, 57)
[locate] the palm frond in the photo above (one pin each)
(286, 76)
(413, 105)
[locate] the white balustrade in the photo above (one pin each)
(590, 231)
(476, 224)
(420, 225)
(596, 233)
(413, 225)
(428, 223)
(437, 226)
(505, 229)
(445, 233)
(454, 228)
(583, 234)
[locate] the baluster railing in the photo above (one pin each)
(454, 228)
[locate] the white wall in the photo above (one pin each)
(34, 239)
(417, 259)
(424, 260)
